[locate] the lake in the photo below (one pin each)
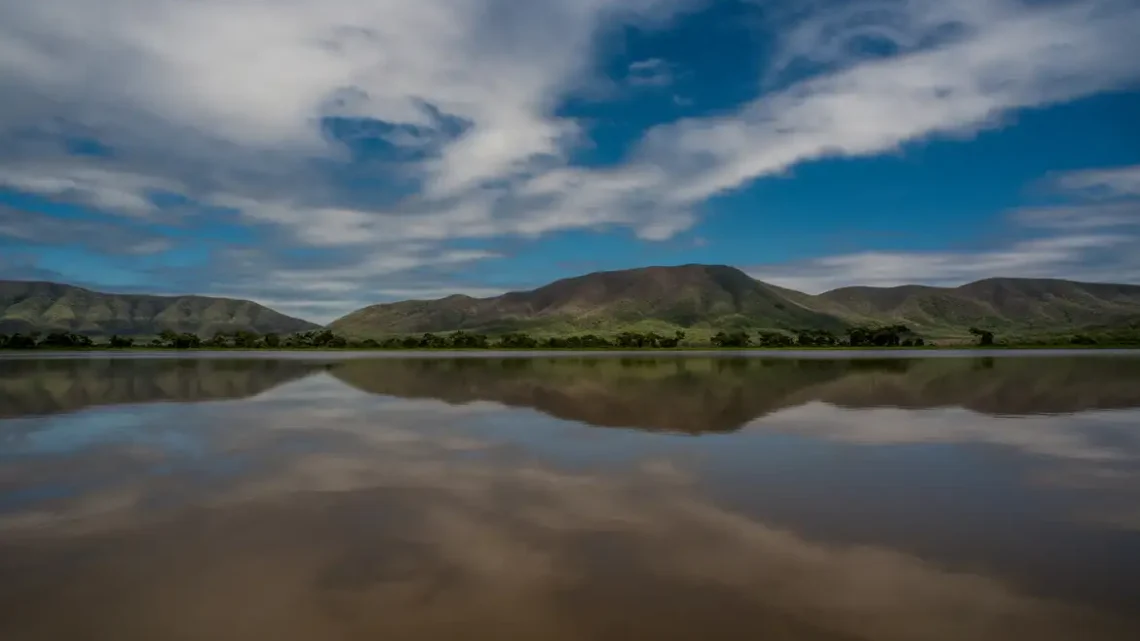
(570, 497)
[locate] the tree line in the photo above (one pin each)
(863, 336)
(897, 335)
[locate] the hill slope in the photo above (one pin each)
(721, 297)
(997, 303)
(714, 296)
(27, 306)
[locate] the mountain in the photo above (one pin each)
(1024, 304)
(663, 298)
(27, 306)
(717, 297)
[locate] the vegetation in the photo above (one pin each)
(984, 337)
(703, 300)
(653, 307)
(27, 306)
(855, 337)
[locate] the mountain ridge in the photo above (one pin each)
(44, 306)
(700, 298)
(724, 297)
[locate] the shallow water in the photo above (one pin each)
(575, 497)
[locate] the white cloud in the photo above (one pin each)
(108, 190)
(1107, 181)
(1081, 216)
(221, 102)
(652, 72)
(1067, 256)
(1033, 58)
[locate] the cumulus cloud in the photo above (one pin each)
(226, 105)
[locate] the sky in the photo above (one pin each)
(319, 156)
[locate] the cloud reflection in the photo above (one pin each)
(354, 516)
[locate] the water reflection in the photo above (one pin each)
(839, 501)
(720, 395)
(52, 385)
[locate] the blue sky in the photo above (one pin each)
(322, 155)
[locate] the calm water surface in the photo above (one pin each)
(570, 498)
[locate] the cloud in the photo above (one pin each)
(110, 191)
(652, 72)
(1103, 182)
(1088, 239)
(1081, 216)
(478, 538)
(226, 106)
(1068, 256)
(104, 235)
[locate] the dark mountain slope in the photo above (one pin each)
(997, 303)
(686, 296)
(46, 307)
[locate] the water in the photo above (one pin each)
(570, 498)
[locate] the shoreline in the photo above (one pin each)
(748, 352)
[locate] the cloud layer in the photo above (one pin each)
(383, 141)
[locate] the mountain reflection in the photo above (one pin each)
(722, 395)
(56, 385)
(316, 511)
(685, 395)
(406, 523)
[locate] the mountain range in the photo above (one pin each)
(27, 306)
(718, 297)
(696, 298)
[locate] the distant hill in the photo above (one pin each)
(723, 298)
(714, 296)
(1023, 304)
(27, 306)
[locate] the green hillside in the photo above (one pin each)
(27, 306)
(663, 298)
(1002, 304)
(705, 298)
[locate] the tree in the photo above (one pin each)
(773, 339)
(168, 337)
(245, 339)
(888, 336)
(20, 341)
(735, 339)
(65, 339)
(219, 341)
(272, 341)
(186, 341)
(119, 342)
(517, 340)
(984, 337)
(433, 341)
(465, 340)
